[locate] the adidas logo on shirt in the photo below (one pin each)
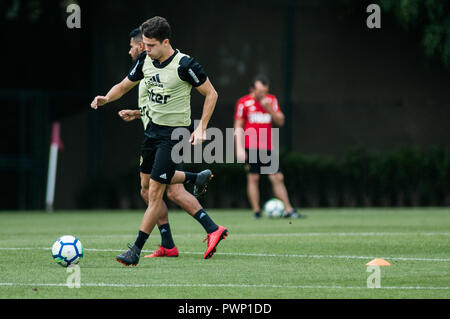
(155, 81)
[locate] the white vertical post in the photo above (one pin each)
(52, 165)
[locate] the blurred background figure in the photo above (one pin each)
(254, 115)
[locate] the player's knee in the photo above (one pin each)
(253, 178)
(144, 193)
(155, 193)
(172, 195)
(276, 178)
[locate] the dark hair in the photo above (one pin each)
(136, 34)
(157, 28)
(261, 78)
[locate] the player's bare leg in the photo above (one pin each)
(280, 192)
(215, 233)
(145, 182)
(279, 189)
(253, 193)
(178, 177)
(155, 208)
(176, 193)
(167, 247)
(180, 196)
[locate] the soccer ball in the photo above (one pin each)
(274, 208)
(67, 250)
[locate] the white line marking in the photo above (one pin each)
(257, 254)
(172, 285)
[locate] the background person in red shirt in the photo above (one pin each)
(255, 113)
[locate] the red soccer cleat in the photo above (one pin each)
(164, 252)
(213, 240)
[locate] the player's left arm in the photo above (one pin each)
(274, 111)
(192, 72)
(211, 96)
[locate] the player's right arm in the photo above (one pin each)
(239, 133)
(116, 92)
(239, 122)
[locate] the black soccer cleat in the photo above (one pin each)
(201, 182)
(130, 257)
(293, 214)
(257, 215)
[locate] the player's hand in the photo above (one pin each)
(198, 136)
(127, 115)
(266, 103)
(99, 101)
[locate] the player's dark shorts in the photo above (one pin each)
(255, 167)
(156, 151)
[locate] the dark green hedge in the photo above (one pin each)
(404, 177)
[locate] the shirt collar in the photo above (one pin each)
(158, 65)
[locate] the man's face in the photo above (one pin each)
(136, 47)
(154, 48)
(260, 90)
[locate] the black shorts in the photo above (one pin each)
(255, 168)
(156, 151)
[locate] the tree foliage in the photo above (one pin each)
(430, 17)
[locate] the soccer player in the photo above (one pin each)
(175, 192)
(169, 76)
(255, 112)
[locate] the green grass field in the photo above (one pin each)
(322, 256)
